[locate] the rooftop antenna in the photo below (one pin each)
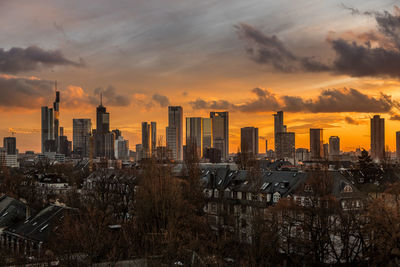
(55, 87)
(101, 98)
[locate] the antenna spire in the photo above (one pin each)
(101, 98)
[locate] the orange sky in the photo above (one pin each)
(189, 51)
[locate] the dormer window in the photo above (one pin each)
(276, 197)
(347, 189)
(307, 188)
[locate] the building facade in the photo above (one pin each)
(220, 132)
(377, 137)
(81, 130)
(316, 144)
(174, 132)
(249, 140)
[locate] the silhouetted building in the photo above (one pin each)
(377, 137)
(149, 138)
(174, 132)
(153, 137)
(10, 145)
(220, 132)
(285, 145)
(334, 146)
(316, 143)
(326, 151)
(109, 145)
(121, 148)
(249, 140)
(279, 127)
(47, 130)
(194, 134)
(102, 129)
(81, 129)
(212, 154)
(398, 145)
(207, 133)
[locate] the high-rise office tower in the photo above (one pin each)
(81, 129)
(249, 140)
(279, 127)
(48, 141)
(316, 144)
(10, 145)
(285, 145)
(109, 142)
(220, 132)
(326, 151)
(121, 148)
(102, 129)
(149, 138)
(146, 139)
(377, 137)
(174, 132)
(207, 133)
(334, 146)
(56, 110)
(194, 134)
(153, 132)
(398, 145)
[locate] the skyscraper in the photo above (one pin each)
(316, 143)
(377, 137)
(102, 129)
(10, 145)
(174, 132)
(334, 146)
(220, 132)
(153, 132)
(278, 128)
(398, 145)
(249, 140)
(56, 110)
(194, 134)
(121, 148)
(149, 138)
(207, 133)
(285, 145)
(47, 131)
(81, 129)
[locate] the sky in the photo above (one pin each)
(326, 64)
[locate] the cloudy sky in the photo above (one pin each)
(329, 64)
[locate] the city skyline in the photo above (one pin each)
(162, 56)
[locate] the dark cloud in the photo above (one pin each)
(351, 58)
(110, 97)
(265, 49)
(361, 60)
(31, 58)
(23, 92)
(202, 104)
(328, 101)
(395, 117)
(350, 120)
(162, 100)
